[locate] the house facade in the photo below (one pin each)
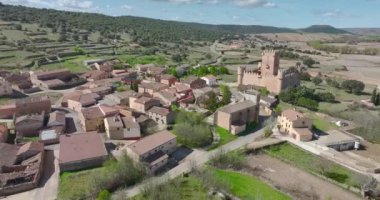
(296, 125)
(236, 117)
(153, 151)
(120, 128)
(81, 151)
(162, 116)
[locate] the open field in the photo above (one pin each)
(304, 187)
(316, 165)
(248, 187)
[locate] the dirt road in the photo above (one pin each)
(299, 184)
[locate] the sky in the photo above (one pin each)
(280, 13)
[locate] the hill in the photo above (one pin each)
(364, 31)
(140, 29)
(323, 29)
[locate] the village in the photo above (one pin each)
(108, 113)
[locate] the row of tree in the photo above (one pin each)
(306, 97)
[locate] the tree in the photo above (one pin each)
(308, 103)
(309, 62)
(353, 86)
(212, 103)
(305, 76)
(332, 83)
(317, 80)
(378, 100)
(208, 56)
(18, 27)
(85, 37)
(226, 95)
(75, 37)
(177, 58)
(325, 97)
(374, 96)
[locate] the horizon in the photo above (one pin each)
(220, 11)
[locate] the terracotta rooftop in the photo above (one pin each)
(153, 86)
(115, 121)
(166, 95)
(150, 142)
(144, 100)
(92, 112)
(33, 99)
(189, 79)
(82, 146)
(237, 107)
(160, 111)
(130, 122)
(167, 77)
(126, 94)
(83, 99)
(31, 146)
(292, 115)
(180, 87)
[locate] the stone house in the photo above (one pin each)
(96, 75)
(77, 100)
(153, 151)
(81, 151)
(32, 105)
(296, 125)
(150, 88)
(119, 128)
(50, 79)
(194, 82)
(5, 88)
(236, 117)
(210, 80)
(7, 111)
(92, 119)
(29, 125)
(168, 79)
(167, 98)
(122, 98)
(20, 167)
(269, 75)
(57, 121)
(162, 116)
(142, 104)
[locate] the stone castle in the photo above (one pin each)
(269, 75)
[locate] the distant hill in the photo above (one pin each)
(140, 29)
(323, 29)
(364, 31)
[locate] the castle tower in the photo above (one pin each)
(270, 62)
(240, 73)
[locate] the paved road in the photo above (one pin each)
(197, 158)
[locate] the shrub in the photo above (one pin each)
(232, 160)
(193, 135)
(353, 86)
(308, 103)
(317, 80)
(325, 96)
(104, 195)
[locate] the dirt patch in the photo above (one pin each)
(297, 183)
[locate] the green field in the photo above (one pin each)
(225, 137)
(179, 188)
(248, 187)
(316, 165)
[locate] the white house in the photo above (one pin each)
(210, 80)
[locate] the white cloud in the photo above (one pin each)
(127, 7)
(242, 3)
(74, 5)
(336, 13)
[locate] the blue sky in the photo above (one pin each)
(282, 13)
